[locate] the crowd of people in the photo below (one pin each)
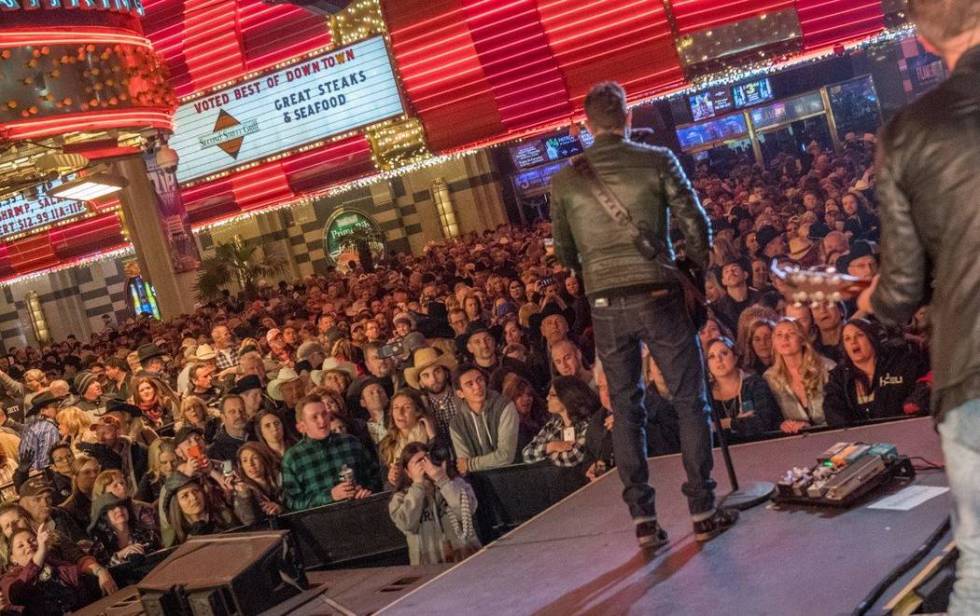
(408, 378)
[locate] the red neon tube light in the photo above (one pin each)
(155, 117)
(77, 34)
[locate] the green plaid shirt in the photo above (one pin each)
(310, 469)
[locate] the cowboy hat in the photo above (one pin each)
(426, 357)
(332, 364)
(246, 383)
(799, 248)
(205, 352)
(472, 329)
(116, 405)
(286, 375)
(551, 309)
(43, 399)
(149, 351)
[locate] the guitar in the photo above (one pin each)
(816, 286)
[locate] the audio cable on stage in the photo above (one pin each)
(920, 553)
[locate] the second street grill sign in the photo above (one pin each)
(326, 95)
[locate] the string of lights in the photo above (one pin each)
(117, 252)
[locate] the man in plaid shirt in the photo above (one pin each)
(312, 468)
(227, 354)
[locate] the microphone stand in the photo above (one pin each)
(742, 496)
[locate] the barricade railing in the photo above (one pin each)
(360, 532)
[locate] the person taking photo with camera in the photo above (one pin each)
(433, 509)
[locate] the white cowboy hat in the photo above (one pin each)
(204, 352)
(332, 364)
(286, 375)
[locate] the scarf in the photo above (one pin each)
(152, 409)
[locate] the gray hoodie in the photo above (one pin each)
(487, 438)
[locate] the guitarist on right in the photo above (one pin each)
(929, 189)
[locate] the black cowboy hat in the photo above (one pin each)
(551, 309)
(472, 329)
(148, 351)
(115, 404)
(43, 399)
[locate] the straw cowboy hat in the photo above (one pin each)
(286, 375)
(427, 357)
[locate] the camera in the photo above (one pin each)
(393, 349)
(438, 455)
(545, 282)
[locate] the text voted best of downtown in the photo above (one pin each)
(315, 99)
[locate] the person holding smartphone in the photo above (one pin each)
(193, 462)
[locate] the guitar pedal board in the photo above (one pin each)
(843, 474)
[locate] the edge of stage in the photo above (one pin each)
(580, 556)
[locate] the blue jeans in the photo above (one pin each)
(662, 323)
(960, 431)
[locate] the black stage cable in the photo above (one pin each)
(921, 552)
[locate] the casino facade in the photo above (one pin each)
(199, 123)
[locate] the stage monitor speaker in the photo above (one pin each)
(225, 575)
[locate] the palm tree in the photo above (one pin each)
(233, 262)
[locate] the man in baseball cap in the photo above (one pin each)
(36, 496)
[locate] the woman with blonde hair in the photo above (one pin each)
(74, 427)
(723, 250)
(797, 377)
(162, 457)
(112, 481)
(406, 423)
(194, 413)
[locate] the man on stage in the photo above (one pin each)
(635, 300)
(929, 188)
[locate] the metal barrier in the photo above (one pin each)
(360, 533)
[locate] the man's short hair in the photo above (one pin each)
(460, 371)
(227, 397)
(195, 369)
(940, 21)
(605, 106)
(118, 363)
(305, 400)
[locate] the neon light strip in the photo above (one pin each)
(155, 117)
(74, 36)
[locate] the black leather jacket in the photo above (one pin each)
(650, 183)
(929, 188)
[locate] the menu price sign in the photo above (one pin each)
(326, 95)
(21, 214)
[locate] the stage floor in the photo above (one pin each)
(580, 556)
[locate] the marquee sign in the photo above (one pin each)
(20, 214)
(323, 96)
